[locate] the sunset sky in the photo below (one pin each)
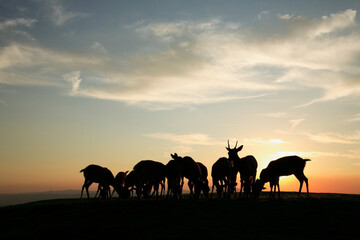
(116, 82)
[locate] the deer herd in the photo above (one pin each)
(148, 177)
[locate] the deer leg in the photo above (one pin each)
(241, 187)
(301, 183)
(271, 189)
(212, 189)
(82, 190)
(113, 192)
(278, 185)
(307, 186)
(181, 187)
(301, 177)
(110, 195)
(98, 190)
(191, 186)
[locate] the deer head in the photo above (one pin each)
(233, 152)
(175, 156)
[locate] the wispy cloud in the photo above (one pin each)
(257, 141)
(355, 118)
(316, 154)
(295, 122)
(263, 14)
(187, 139)
(28, 64)
(74, 79)
(202, 62)
(99, 47)
(335, 138)
(60, 15)
(11, 23)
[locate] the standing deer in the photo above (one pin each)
(247, 166)
(220, 173)
(95, 173)
(284, 166)
(149, 174)
(190, 170)
(173, 175)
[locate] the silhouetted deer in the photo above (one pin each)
(247, 166)
(173, 175)
(284, 166)
(190, 170)
(204, 183)
(220, 173)
(130, 182)
(94, 173)
(119, 184)
(149, 174)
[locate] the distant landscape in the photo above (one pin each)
(18, 198)
(320, 216)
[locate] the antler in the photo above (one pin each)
(228, 144)
(236, 144)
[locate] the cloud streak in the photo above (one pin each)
(202, 62)
(335, 138)
(61, 16)
(186, 139)
(12, 23)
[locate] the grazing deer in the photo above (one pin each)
(149, 174)
(220, 173)
(130, 182)
(119, 183)
(204, 183)
(190, 170)
(247, 166)
(284, 166)
(95, 173)
(173, 175)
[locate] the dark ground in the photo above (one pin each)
(320, 216)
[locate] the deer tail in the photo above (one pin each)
(307, 159)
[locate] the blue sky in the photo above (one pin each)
(114, 82)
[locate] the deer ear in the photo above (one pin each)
(227, 148)
(239, 148)
(172, 155)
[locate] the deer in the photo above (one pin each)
(119, 184)
(220, 173)
(130, 182)
(284, 166)
(190, 170)
(103, 176)
(246, 166)
(149, 174)
(173, 175)
(204, 183)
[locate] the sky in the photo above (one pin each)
(115, 82)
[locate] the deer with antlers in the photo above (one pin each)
(246, 166)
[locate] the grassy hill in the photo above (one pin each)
(321, 216)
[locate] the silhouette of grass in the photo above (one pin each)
(321, 216)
